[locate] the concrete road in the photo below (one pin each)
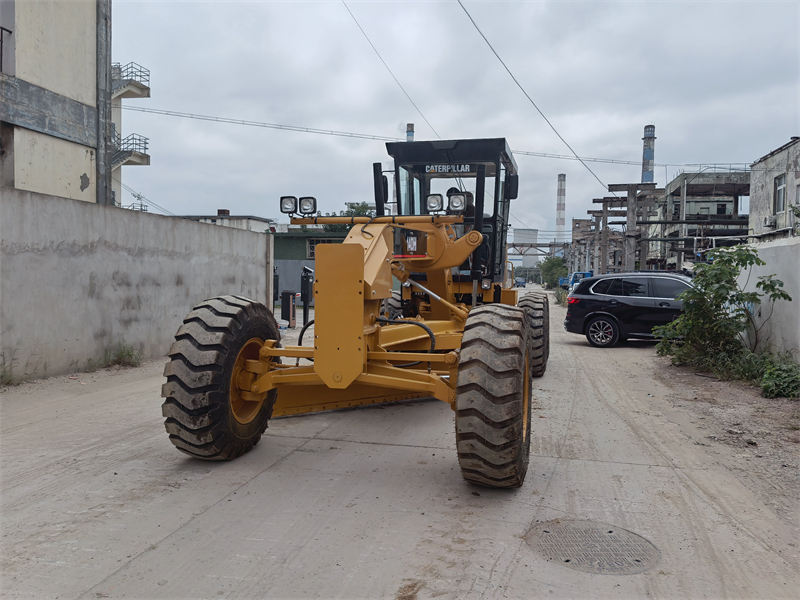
(370, 503)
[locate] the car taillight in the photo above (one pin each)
(573, 300)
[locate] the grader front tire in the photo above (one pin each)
(205, 414)
(537, 308)
(493, 397)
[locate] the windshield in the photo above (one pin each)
(417, 181)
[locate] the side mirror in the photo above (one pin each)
(380, 189)
(512, 187)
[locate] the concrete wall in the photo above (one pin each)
(49, 165)
(781, 332)
(56, 46)
(77, 279)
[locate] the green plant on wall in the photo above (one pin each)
(717, 313)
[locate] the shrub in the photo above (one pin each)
(781, 379)
(709, 333)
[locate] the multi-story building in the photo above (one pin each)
(697, 211)
(57, 134)
(774, 190)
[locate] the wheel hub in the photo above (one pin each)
(243, 410)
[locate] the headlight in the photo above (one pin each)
(308, 205)
(486, 284)
(457, 202)
(288, 204)
(435, 202)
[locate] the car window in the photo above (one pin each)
(635, 286)
(615, 289)
(601, 287)
(668, 288)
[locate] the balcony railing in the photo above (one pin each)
(130, 72)
(123, 148)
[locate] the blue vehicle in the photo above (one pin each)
(572, 279)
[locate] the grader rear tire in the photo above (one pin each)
(205, 415)
(394, 305)
(537, 308)
(493, 397)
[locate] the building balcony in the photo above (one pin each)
(130, 150)
(129, 81)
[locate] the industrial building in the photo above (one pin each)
(774, 190)
(60, 115)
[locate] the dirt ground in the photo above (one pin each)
(370, 503)
(756, 437)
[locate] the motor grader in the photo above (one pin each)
(452, 328)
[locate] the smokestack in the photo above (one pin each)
(649, 153)
(410, 132)
(561, 202)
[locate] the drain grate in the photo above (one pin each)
(593, 547)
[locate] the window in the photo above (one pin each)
(635, 287)
(312, 245)
(615, 289)
(665, 287)
(780, 194)
(601, 287)
(721, 209)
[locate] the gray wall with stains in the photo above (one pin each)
(79, 278)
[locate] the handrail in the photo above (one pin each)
(130, 72)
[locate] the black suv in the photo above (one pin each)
(616, 306)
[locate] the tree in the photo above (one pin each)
(361, 209)
(552, 268)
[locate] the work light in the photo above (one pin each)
(457, 202)
(288, 204)
(308, 205)
(435, 202)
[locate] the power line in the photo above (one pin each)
(388, 69)
(231, 121)
(183, 115)
(141, 197)
(478, 29)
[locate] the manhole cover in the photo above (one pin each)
(593, 547)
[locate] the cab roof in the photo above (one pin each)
(450, 151)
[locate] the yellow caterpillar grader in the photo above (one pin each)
(454, 330)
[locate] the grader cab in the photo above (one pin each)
(416, 302)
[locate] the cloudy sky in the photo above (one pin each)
(718, 79)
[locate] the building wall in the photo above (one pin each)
(762, 188)
(49, 165)
(78, 279)
(781, 330)
(56, 46)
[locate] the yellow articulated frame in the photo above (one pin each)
(302, 390)
(359, 357)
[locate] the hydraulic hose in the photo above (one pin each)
(300, 339)
(411, 322)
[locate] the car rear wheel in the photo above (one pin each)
(602, 332)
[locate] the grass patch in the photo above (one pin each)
(123, 356)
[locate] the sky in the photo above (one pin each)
(719, 80)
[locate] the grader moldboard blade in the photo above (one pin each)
(454, 330)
